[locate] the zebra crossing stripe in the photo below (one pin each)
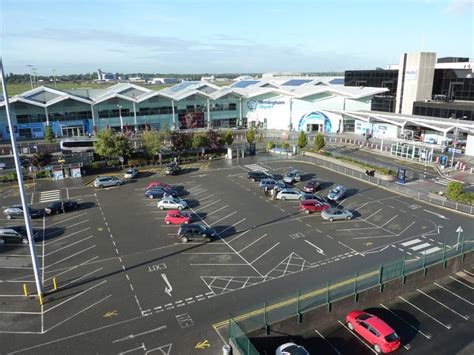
(255, 167)
(421, 246)
(411, 242)
(429, 251)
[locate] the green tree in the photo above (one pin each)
(302, 140)
(285, 145)
(200, 141)
(319, 142)
(48, 134)
(455, 189)
(111, 145)
(229, 138)
(270, 145)
(250, 135)
(152, 141)
(123, 147)
(40, 159)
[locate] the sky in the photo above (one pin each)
(227, 36)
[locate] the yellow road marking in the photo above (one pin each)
(202, 344)
(110, 314)
(293, 300)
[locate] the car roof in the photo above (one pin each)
(383, 328)
(310, 202)
(174, 212)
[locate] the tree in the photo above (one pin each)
(152, 141)
(250, 135)
(319, 142)
(270, 145)
(40, 159)
(200, 141)
(302, 140)
(285, 145)
(181, 140)
(455, 189)
(214, 139)
(111, 145)
(49, 134)
(229, 138)
(123, 147)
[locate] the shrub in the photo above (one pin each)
(270, 145)
(319, 142)
(113, 163)
(455, 189)
(8, 177)
(285, 145)
(302, 140)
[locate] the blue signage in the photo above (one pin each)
(402, 176)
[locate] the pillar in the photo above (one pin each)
(208, 115)
(175, 123)
(240, 113)
(135, 115)
(93, 117)
(47, 116)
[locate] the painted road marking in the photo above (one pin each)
(358, 337)
(432, 250)
(427, 336)
(202, 345)
(48, 196)
(327, 341)
(318, 249)
(132, 336)
(421, 246)
(110, 314)
(454, 294)
(256, 240)
(410, 242)
(462, 283)
(442, 304)
(447, 326)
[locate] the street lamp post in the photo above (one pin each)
(120, 116)
(31, 78)
(21, 188)
(454, 141)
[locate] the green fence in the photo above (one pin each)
(294, 305)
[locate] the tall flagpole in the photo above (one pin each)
(24, 204)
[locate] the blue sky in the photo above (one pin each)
(197, 36)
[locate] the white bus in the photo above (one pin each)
(77, 145)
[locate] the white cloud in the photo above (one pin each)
(460, 7)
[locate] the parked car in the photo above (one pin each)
(158, 184)
(193, 231)
(16, 211)
(289, 194)
(172, 169)
(61, 207)
(271, 183)
(292, 176)
(257, 175)
(158, 192)
(105, 181)
(308, 206)
(171, 203)
(131, 173)
(337, 193)
(177, 217)
(291, 349)
(374, 330)
(310, 196)
(333, 214)
(16, 234)
(312, 185)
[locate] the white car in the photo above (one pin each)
(131, 173)
(291, 349)
(290, 194)
(171, 203)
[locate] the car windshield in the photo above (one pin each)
(391, 337)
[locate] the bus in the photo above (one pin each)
(77, 145)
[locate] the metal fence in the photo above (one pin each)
(301, 301)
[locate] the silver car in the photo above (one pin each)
(106, 181)
(333, 214)
(171, 203)
(131, 173)
(337, 193)
(290, 194)
(292, 176)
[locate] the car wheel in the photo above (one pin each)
(207, 239)
(184, 239)
(348, 218)
(377, 348)
(283, 198)
(167, 222)
(150, 197)
(350, 326)
(117, 184)
(24, 241)
(331, 219)
(253, 180)
(2, 241)
(180, 208)
(9, 216)
(161, 208)
(100, 186)
(306, 211)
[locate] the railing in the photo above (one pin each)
(301, 301)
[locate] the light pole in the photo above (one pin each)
(26, 211)
(121, 119)
(31, 78)
(454, 141)
(54, 77)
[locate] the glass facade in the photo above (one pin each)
(453, 84)
(444, 110)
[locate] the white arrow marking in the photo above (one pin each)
(318, 249)
(168, 287)
(132, 336)
(436, 214)
(459, 230)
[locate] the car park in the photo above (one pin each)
(16, 211)
(158, 184)
(131, 173)
(374, 330)
(292, 176)
(106, 181)
(170, 203)
(337, 193)
(312, 185)
(172, 169)
(64, 206)
(291, 349)
(159, 193)
(289, 194)
(16, 235)
(257, 175)
(308, 206)
(188, 232)
(334, 214)
(177, 217)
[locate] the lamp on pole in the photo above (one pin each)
(455, 137)
(31, 78)
(121, 119)
(26, 211)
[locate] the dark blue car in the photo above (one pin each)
(160, 193)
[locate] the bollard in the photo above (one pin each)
(226, 349)
(54, 284)
(25, 290)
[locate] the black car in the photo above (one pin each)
(16, 234)
(172, 169)
(192, 231)
(16, 211)
(257, 175)
(57, 207)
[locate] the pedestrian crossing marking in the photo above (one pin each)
(410, 242)
(48, 196)
(255, 167)
(421, 246)
(431, 250)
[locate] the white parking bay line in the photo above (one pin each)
(256, 240)
(210, 204)
(442, 304)
(454, 294)
(410, 242)
(358, 337)
(427, 336)
(241, 234)
(225, 230)
(208, 196)
(219, 209)
(462, 283)
(231, 214)
(264, 253)
(327, 341)
(447, 326)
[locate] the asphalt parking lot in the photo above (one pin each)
(125, 281)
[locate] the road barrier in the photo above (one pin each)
(302, 301)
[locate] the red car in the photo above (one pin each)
(156, 183)
(312, 185)
(374, 330)
(177, 217)
(308, 206)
